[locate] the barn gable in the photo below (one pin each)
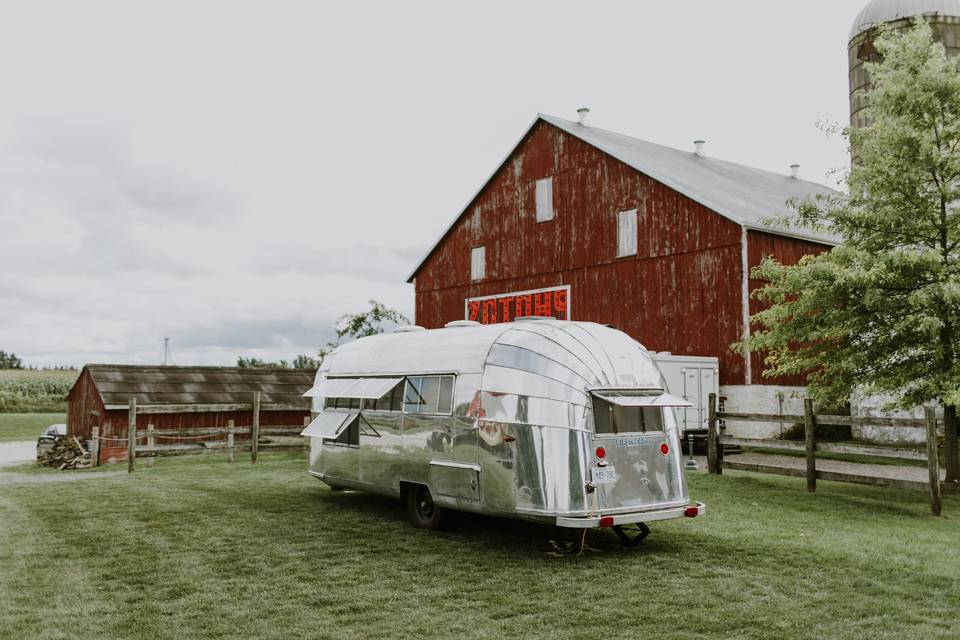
(744, 195)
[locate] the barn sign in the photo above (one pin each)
(552, 302)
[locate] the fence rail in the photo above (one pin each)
(810, 446)
(203, 437)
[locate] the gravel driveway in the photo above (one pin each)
(17, 452)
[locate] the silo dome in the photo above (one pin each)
(943, 16)
(881, 11)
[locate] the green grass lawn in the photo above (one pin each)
(201, 548)
(26, 426)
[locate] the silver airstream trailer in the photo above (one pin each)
(560, 422)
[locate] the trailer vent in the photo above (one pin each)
(461, 323)
(409, 328)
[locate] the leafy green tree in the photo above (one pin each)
(881, 312)
(365, 323)
(305, 362)
(10, 361)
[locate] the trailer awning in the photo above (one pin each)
(329, 425)
(650, 400)
(370, 388)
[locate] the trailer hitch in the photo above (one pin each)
(626, 540)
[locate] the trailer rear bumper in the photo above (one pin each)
(590, 522)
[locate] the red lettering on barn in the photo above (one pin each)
(549, 303)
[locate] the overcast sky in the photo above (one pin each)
(237, 175)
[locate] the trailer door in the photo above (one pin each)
(636, 461)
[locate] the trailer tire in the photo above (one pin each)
(422, 511)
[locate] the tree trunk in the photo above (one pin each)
(951, 454)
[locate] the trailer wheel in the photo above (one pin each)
(422, 511)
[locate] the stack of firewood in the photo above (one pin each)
(65, 453)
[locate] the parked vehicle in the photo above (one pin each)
(49, 435)
(558, 422)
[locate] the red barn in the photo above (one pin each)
(194, 396)
(587, 224)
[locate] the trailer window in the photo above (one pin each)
(391, 401)
(429, 394)
(342, 403)
(609, 418)
(350, 437)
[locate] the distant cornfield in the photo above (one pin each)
(26, 391)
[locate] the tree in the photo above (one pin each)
(10, 361)
(300, 362)
(365, 323)
(881, 312)
(349, 326)
(305, 362)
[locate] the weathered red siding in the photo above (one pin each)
(84, 407)
(680, 293)
(786, 251)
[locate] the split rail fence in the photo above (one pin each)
(214, 439)
(810, 446)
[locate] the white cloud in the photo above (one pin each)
(238, 175)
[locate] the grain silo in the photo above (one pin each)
(942, 15)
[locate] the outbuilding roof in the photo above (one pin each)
(746, 195)
(200, 385)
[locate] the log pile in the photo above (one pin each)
(65, 453)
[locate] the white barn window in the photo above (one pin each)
(545, 200)
(478, 263)
(627, 233)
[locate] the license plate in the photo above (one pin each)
(603, 475)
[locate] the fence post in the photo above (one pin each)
(713, 445)
(809, 427)
(933, 462)
(95, 447)
(150, 444)
(255, 429)
(306, 439)
(230, 430)
(131, 433)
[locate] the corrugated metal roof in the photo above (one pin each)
(881, 11)
(200, 385)
(745, 195)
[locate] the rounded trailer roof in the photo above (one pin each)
(882, 11)
(582, 355)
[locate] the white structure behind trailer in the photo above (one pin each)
(560, 422)
(692, 378)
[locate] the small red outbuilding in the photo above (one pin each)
(189, 397)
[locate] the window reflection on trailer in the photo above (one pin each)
(560, 422)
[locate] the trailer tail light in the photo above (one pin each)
(606, 521)
(664, 448)
(692, 512)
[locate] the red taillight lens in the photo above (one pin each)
(601, 453)
(606, 521)
(692, 512)
(664, 448)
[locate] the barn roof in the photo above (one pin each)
(200, 385)
(746, 195)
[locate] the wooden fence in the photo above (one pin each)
(202, 435)
(810, 446)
